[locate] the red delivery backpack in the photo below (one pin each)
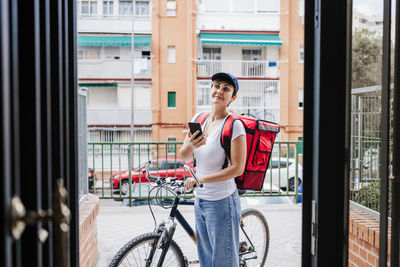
(260, 137)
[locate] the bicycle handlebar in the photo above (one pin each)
(169, 180)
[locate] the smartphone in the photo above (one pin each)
(195, 126)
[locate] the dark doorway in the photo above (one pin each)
(38, 133)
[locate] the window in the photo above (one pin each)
(172, 150)
(243, 6)
(267, 6)
(301, 54)
(146, 54)
(125, 8)
(174, 165)
(157, 165)
(301, 8)
(300, 146)
(171, 99)
(171, 8)
(171, 54)
(203, 93)
(252, 68)
(142, 8)
(108, 8)
(251, 54)
(211, 53)
(89, 53)
(301, 99)
(88, 8)
(217, 6)
(274, 164)
(111, 52)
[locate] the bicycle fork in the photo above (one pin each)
(167, 230)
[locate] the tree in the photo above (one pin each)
(366, 58)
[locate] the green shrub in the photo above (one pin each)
(369, 196)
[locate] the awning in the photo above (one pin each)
(98, 85)
(240, 39)
(113, 40)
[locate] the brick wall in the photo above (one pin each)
(364, 239)
(88, 251)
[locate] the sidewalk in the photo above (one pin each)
(117, 224)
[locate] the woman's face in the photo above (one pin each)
(222, 93)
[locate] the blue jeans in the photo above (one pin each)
(217, 231)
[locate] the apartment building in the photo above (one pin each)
(241, 37)
(178, 45)
(105, 67)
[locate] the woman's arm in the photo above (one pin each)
(190, 143)
(238, 162)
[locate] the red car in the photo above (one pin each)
(160, 167)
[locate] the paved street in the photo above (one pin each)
(117, 224)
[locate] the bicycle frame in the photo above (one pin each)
(167, 232)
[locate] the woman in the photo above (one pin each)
(217, 204)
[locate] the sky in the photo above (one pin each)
(371, 7)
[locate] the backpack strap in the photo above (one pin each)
(201, 118)
(226, 137)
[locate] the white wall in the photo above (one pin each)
(102, 97)
(113, 69)
(142, 97)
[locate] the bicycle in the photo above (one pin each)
(158, 248)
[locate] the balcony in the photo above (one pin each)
(226, 21)
(114, 68)
(239, 68)
(260, 99)
(117, 116)
(113, 24)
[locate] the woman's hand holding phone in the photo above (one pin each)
(197, 138)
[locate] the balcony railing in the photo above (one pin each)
(113, 18)
(113, 24)
(117, 116)
(239, 68)
(111, 163)
(257, 98)
(113, 68)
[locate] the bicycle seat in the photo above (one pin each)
(241, 191)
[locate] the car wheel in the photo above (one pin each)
(292, 185)
(124, 188)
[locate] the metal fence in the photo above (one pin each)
(82, 141)
(119, 173)
(365, 147)
(239, 68)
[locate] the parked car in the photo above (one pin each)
(91, 178)
(287, 169)
(164, 167)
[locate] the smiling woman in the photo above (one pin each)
(218, 193)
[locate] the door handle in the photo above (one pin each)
(59, 216)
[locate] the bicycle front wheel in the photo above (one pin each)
(253, 237)
(142, 251)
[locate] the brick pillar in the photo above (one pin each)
(88, 250)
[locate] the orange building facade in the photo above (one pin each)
(173, 68)
(291, 69)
